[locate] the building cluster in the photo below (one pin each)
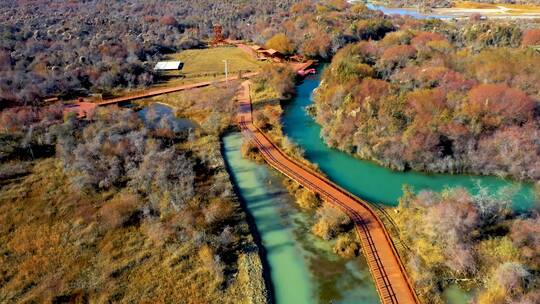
(266, 54)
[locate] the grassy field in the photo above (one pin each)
(54, 248)
(59, 244)
(202, 65)
(207, 64)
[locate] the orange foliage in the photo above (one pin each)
(168, 20)
(398, 53)
(531, 37)
(371, 89)
(116, 212)
(301, 7)
(423, 38)
(429, 102)
(498, 104)
(317, 46)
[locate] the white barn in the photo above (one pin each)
(168, 66)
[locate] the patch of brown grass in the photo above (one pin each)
(57, 244)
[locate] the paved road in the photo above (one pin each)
(391, 281)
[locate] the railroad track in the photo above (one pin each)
(386, 268)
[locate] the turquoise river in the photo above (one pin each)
(302, 269)
(371, 181)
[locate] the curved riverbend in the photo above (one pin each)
(368, 180)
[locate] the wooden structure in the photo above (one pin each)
(262, 54)
(218, 36)
(384, 262)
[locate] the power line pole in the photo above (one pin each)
(226, 70)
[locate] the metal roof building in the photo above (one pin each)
(168, 66)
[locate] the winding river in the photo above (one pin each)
(370, 181)
(301, 268)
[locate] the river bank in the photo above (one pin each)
(460, 10)
(364, 178)
(297, 259)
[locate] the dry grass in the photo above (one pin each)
(58, 244)
(207, 65)
(512, 8)
(211, 60)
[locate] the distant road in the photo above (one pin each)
(389, 275)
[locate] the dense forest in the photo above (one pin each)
(438, 97)
(59, 48)
(56, 49)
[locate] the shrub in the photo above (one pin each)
(122, 210)
(331, 221)
(531, 37)
(307, 199)
(281, 43)
(346, 246)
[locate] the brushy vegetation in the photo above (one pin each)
(328, 222)
(121, 208)
(445, 99)
(475, 241)
(75, 48)
(462, 4)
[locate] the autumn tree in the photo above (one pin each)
(494, 105)
(531, 37)
(281, 43)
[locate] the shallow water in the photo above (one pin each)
(370, 181)
(411, 12)
(155, 112)
(302, 268)
(454, 295)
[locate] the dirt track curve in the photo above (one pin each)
(391, 281)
